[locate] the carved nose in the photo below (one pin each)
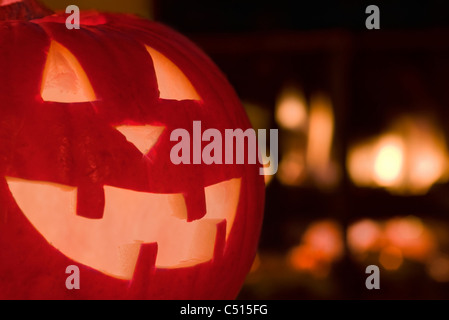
(142, 137)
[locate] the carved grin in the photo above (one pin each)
(111, 244)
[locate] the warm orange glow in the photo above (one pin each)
(326, 238)
(411, 236)
(403, 230)
(321, 245)
(408, 159)
(438, 268)
(321, 131)
(302, 258)
(389, 160)
(142, 137)
(391, 258)
(64, 79)
(379, 162)
(427, 153)
(360, 164)
(256, 264)
(221, 202)
(172, 82)
(291, 112)
(111, 245)
(292, 168)
(364, 235)
(309, 157)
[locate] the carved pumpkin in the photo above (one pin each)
(85, 171)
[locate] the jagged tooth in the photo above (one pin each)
(196, 204)
(222, 201)
(144, 267)
(90, 201)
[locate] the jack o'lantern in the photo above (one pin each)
(85, 172)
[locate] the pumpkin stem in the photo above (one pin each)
(22, 10)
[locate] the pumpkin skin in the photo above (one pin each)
(78, 144)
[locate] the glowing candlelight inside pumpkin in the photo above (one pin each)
(87, 178)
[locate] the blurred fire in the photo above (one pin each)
(391, 258)
(407, 159)
(308, 139)
(321, 245)
(438, 268)
(364, 235)
(292, 168)
(319, 145)
(393, 240)
(291, 110)
(389, 161)
(412, 237)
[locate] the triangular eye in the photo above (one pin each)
(173, 83)
(64, 80)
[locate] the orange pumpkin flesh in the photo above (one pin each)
(85, 170)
